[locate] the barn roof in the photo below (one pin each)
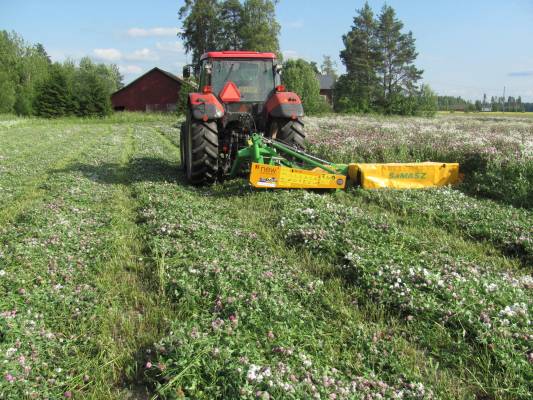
(172, 76)
(326, 81)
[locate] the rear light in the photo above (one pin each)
(280, 88)
(207, 89)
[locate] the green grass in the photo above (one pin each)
(118, 280)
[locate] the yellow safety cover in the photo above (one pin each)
(270, 176)
(404, 175)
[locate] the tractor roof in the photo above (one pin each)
(238, 54)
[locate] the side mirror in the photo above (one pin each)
(278, 69)
(187, 71)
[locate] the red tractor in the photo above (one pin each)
(241, 94)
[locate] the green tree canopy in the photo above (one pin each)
(396, 72)
(361, 58)
(231, 20)
(260, 29)
(201, 28)
(8, 93)
(22, 68)
(53, 97)
(300, 77)
(209, 25)
(379, 60)
(189, 85)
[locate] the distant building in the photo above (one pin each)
(326, 87)
(486, 109)
(156, 90)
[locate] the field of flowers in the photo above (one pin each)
(496, 154)
(118, 280)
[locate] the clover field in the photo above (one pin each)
(120, 281)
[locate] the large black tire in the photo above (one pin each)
(291, 132)
(201, 155)
(183, 134)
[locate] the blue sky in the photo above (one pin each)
(466, 48)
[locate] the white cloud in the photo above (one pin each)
(130, 69)
(174, 47)
(290, 55)
(296, 24)
(108, 54)
(158, 31)
(113, 55)
(142, 55)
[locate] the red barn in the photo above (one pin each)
(156, 90)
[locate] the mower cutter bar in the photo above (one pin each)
(275, 165)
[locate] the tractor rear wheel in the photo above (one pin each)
(201, 154)
(290, 132)
(183, 133)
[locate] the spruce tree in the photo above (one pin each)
(52, 98)
(380, 71)
(396, 72)
(361, 58)
(328, 67)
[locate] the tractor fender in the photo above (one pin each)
(205, 106)
(284, 105)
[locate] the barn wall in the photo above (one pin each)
(328, 95)
(152, 92)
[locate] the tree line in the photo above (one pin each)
(379, 57)
(496, 104)
(210, 25)
(31, 84)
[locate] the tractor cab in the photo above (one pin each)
(240, 94)
(242, 81)
(253, 79)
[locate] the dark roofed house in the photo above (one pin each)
(326, 87)
(156, 90)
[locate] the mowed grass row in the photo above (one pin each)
(247, 294)
(507, 228)
(467, 306)
(255, 318)
(30, 150)
(75, 309)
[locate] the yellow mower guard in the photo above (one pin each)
(276, 165)
(404, 175)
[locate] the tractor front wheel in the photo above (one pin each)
(290, 132)
(201, 152)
